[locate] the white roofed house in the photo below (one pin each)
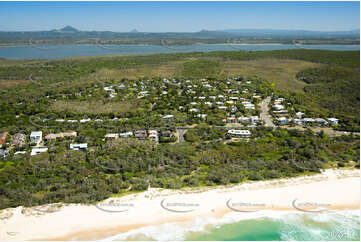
(283, 120)
(112, 136)
(203, 116)
(308, 120)
(299, 115)
(126, 134)
(243, 119)
(254, 119)
(278, 107)
(169, 116)
(321, 121)
(36, 151)
(298, 121)
(83, 146)
(249, 106)
(240, 133)
(333, 121)
(36, 136)
(209, 104)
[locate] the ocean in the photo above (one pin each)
(66, 51)
(257, 226)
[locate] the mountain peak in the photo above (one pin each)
(69, 28)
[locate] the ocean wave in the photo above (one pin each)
(292, 225)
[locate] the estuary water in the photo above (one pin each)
(66, 51)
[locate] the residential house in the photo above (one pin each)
(254, 119)
(3, 138)
(60, 135)
(153, 135)
(85, 120)
(298, 121)
(333, 121)
(36, 151)
(4, 153)
(243, 133)
(308, 120)
(231, 120)
(321, 121)
(249, 106)
(166, 133)
(126, 134)
(278, 107)
(18, 139)
(140, 134)
(111, 136)
(82, 146)
(299, 115)
(169, 116)
(36, 136)
(283, 120)
(243, 119)
(20, 153)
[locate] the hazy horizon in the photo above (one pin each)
(179, 16)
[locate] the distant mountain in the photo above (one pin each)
(68, 29)
(281, 32)
(71, 35)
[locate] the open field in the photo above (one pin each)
(281, 72)
(93, 107)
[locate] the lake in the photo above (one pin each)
(65, 51)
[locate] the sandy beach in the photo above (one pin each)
(331, 190)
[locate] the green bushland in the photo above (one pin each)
(123, 165)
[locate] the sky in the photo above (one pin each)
(179, 16)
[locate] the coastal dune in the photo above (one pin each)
(333, 189)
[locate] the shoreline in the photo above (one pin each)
(334, 189)
(91, 44)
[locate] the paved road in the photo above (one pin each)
(265, 115)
